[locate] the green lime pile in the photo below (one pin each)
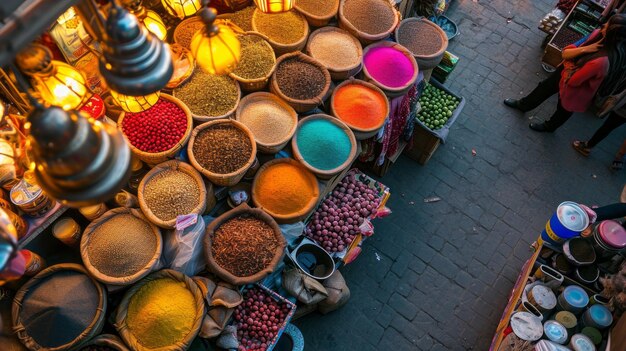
(437, 107)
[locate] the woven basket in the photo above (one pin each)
(366, 38)
(122, 312)
(425, 62)
(95, 326)
(391, 91)
(301, 105)
(242, 210)
(263, 96)
(222, 179)
(153, 158)
(180, 27)
(108, 340)
(127, 280)
(339, 73)
(325, 174)
(176, 165)
(199, 119)
(316, 20)
(359, 133)
(281, 48)
(256, 84)
(296, 216)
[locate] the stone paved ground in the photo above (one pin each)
(437, 276)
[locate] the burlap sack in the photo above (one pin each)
(306, 289)
(338, 293)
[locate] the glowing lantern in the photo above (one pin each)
(135, 103)
(182, 8)
(150, 19)
(216, 47)
(274, 6)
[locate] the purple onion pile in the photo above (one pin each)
(336, 221)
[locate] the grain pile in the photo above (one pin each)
(186, 30)
(171, 193)
(243, 18)
(420, 38)
(369, 16)
(284, 28)
(317, 7)
(300, 80)
(222, 148)
(335, 49)
(208, 94)
(268, 120)
(257, 58)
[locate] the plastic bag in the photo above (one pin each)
(182, 249)
(306, 289)
(338, 293)
(291, 232)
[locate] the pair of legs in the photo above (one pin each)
(541, 93)
(612, 122)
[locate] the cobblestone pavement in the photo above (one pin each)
(436, 276)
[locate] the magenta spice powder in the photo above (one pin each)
(389, 66)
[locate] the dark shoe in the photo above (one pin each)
(539, 127)
(581, 147)
(512, 103)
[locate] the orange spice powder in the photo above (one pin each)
(360, 106)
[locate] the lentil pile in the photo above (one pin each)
(243, 18)
(222, 148)
(161, 313)
(244, 245)
(369, 16)
(171, 193)
(268, 120)
(284, 28)
(186, 30)
(257, 58)
(317, 7)
(121, 246)
(285, 188)
(300, 80)
(208, 94)
(360, 106)
(323, 144)
(334, 49)
(420, 38)
(156, 129)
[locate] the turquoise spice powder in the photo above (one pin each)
(323, 144)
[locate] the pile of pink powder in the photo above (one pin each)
(389, 66)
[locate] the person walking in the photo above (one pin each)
(581, 75)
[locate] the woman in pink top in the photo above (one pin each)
(582, 73)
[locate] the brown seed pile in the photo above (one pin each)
(208, 94)
(336, 50)
(369, 16)
(243, 18)
(317, 7)
(565, 37)
(257, 58)
(186, 30)
(171, 193)
(300, 80)
(420, 38)
(121, 246)
(268, 120)
(244, 245)
(222, 148)
(284, 28)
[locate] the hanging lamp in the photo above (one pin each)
(215, 47)
(58, 83)
(182, 8)
(274, 6)
(150, 19)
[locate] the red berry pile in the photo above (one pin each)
(156, 129)
(258, 319)
(336, 221)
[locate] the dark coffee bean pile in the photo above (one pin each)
(300, 80)
(222, 149)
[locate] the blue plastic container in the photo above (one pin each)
(567, 222)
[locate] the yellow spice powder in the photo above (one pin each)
(161, 313)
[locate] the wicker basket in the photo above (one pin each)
(325, 174)
(336, 73)
(228, 179)
(302, 105)
(263, 96)
(153, 158)
(281, 48)
(316, 20)
(108, 340)
(19, 301)
(191, 21)
(242, 210)
(366, 38)
(175, 165)
(199, 119)
(122, 312)
(359, 133)
(296, 216)
(391, 91)
(425, 62)
(256, 84)
(127, 280)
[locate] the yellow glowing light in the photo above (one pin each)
(154, 24)
(135, 103)
(216, 53)
(62, 86)
(274, 6)
(181, 8)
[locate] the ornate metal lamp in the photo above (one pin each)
(150, 19)
(274, 6)
(181, 8)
